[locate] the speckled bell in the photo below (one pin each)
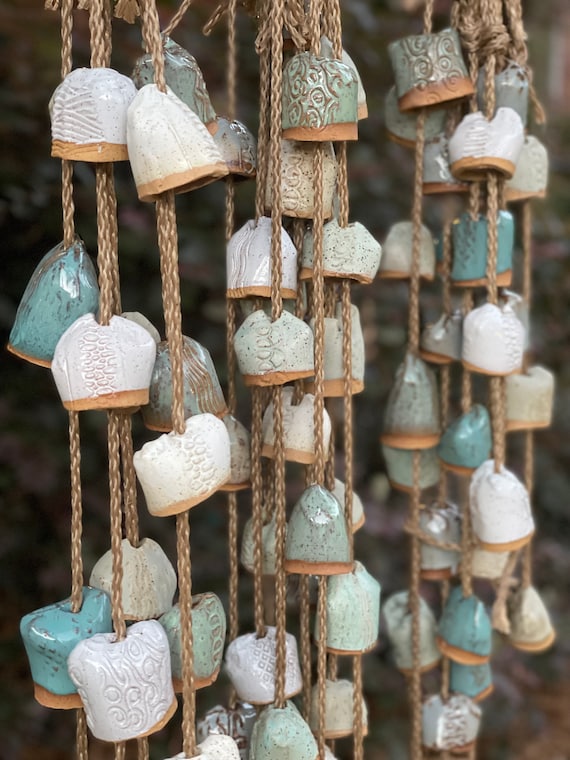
(396, 262)
(282, 734)
(268, 546)
(339, 709)
(236, 722)
(240, 455)
(400, 468)
(398, 619)
(531, 628)
(470, 246)
(465, 633)
(493, 340)
(467, 442)
(237, 146)
(327, 52)
(475, 681)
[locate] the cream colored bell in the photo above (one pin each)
(493, 340)
(240, 455)
(358, 516)
(398, 619)
(339, 709)
(268, 546)
(530, 398)
(437, 176)
(531, 175)
(214, 747)
(396, 262)
(531, 629)
(441, 341)
(488, 565)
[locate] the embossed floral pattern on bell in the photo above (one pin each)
(236, 722)
(530, 399)
(125, 685)
(467, 442)
(149, 580)
(103, 366)
(250, 663)
(441, 341)
(437, 176)
(531, 629)
(400, 464)
(357, 508)
(411, 419)
(268, 546)
(450, 725)
(274, 353)
(493, 340)
(353, 612)
(237, 146)
(471, 244)
(339, 709)
(62, 288)
(511, 89)
(465, 633)
(401, 125)
(398, 620)
(89, 115)
(441, 524)
(240, 455)
(51, 633)
(327, 52)
(169, 147)
(396, 262)
(179, 470)
(208, 638)
(429, 69)
(282, 734)
(531, 175)
(474, 681)
(202, 391)
(317, 536)
(478, 145)
(347, 252)
(183, 76)
(320, 99)
(248, 261)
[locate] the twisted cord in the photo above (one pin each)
(129, 480)
(67, 203)
(116, 527)
(257, 508)
(426, 538)
(231, 69)
(445, 392)
(466, 541)
(108, 274)
(357, 699)
(492, 239)
(185, 605)
(76, 513)
(347, 401)
(428, 17)
(446, 263)
(444, 591)
(275, 129)
(150, 27)
(99, 40)
(178, 16)
(322, 664)
(526, 577)
(499, 618)
(233, 627)
(497, 389)
(81, 740)
(263, 134)
(414, 305)
(305, 641)
(415, 689)
(280, 576)
(120, 752)
(318, 314)
(466, 379)
(526, 218)
(143, 749)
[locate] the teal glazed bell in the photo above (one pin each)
(282, 734)
(49, 636)
(470, 243)
(467, 442)
(400, 468)
(62, 288)
(465, 633)
(475, 681)
(317, 536)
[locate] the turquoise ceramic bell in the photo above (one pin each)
(62, 288)
(49, 636)
(467, 442)
(399, 466)
(317, 536)
(470, 250)
(475, 681)
(282, 734)
(465, 631)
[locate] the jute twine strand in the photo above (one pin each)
(334, 20)
(105, 256)
(263, 133)
(81, 741)
(231, 68)
(76, 513)
(67, 204)
(415, 685)
(177, 18)
(526, 218)
(428, 16)
(358, 723)
(280, 527)
(445, 372)
(466, 541)
(444, 688)
(129, 480)
(120, 752)
(526, 578)
(426, 538)
(115, 513)
(322, 664)
(466, 379)
(275, 129)
(414, 304)
(499, 617)
(305, 641)
(257, 508)
(445, 391)
(143, 752)
(347, 399)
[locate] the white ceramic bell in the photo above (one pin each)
(531, 175)
(339, 709)
(530, 398)
(398, 618)
(240, 455)
(442, 524)
(140, 319)
(450, 725)
(396, 262)
(358, 516)
(213, 747)
(493, 340)
(441, 341)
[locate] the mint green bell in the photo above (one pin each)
(470, 244)
(282, 734)
(475, 681)
(465, 633)
(400, 468)
(467, 442)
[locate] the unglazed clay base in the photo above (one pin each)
(400, 140)
(161, 723)
(539, 646)
(473, 368)
(406, 489)
(331, 133)
(57, 701)
(334, 650)
(232, 487)
(358, 524)
(460, 655)
(362, 112)
(342, 734)
(183, 506)
(335, 388)
(27, 357)
(436, 575)
(168, 428)
(182, 181)
(212, 127)
(199, 683)
(409, 441)
(424, 669)
(258, 290)
(109, 401)
(307, 274)
(518, 425)
(484, 694)
(390, 274)
(463, 750)
(291, 455)
(430, 356)
(476, 169)
(92, 152)
(276, 378)
(465, 472)
(504, 279)
(438, 92)
(300, 567)
(509, 546)
(436, 188)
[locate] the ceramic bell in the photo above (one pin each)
(519, 305)
(274, 353)
(282, 734)
(493, 340)
(442, 524)
(530, 398)
(470, 246)
(317, 537)
(488, 565)
(62, 288)
(327, 52)
(49, 636)
(531, 175)
(268, 546)
(467, 442)
(358, 516)
(240, 455)
(478, 146)
(238, 148)
(441, 341)
(401, 126)
(89, 115)
(236, 722)
(350, 252)
(400, 468)
(531, 629)
(429, 69)
(248, 261)
(450, 725)
(411, 420)
(511, 89)
(103, 366)
(398, 619)
(465, 633)
(474, 681)
(124, 685)
(179, 470)
(297, 192)
(339, 709)
(183, 76)
(169, 147)
(208, 638)
(437, 176)
(214, 747)
(396, 262)
(202, 391)
(353, 612)
(250, 663)
(149, 580)
(320, 99)
(298, 428)
(500, 509)
(142, 321)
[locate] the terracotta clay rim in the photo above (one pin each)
(409, 441)
(393, 274)
(182, 182)
(232, 487)
(475, 169)
(408, 489)
(304, 567)
(199, 683)
(484, 694)
(504, 279)
(431, 356)
(362, 111)
(293, 214)
(342, 733)
(436, 92)
(355, 652)
(481, 371)
(182, 506)
(161, 723)
(277, 378)
(56, 701)
(96, 153)
(329, 133)
(306, 273)
(168, 428)
(120, 400)
(508, 546)
(437, 575)
(291, 455)
(438, 188)
(458, 469)
(539, 646)
(410, 144)
(460, 655)
(212, 126)
(424, 669)
(28, 357)
(357, 525)
(512, 426)
(259, 290)
(335, 388)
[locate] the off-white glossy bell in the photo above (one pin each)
(493, 340)
(339, 709)
(530, 399)
(531, 628)
(396, 262)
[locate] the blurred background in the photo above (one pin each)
(527, 716)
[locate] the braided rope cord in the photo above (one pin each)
(526, 214)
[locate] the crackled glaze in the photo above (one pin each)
(531, 629)
(327, 52)
(531, 175)
(347, 252)
(273, 353)
(179, 470)
(450, 725)
(470, 246)
(530, 398)
(465, 632)
(62, 288)
(237, 146)
(511, 89)
(467, 442)
(202, 391)
(103, 366)
(474, 681)
(437, 176)
(149, 580)
(240, 455)
(398, 619)
(169, 147)
(248, 261)
(442, 524)
(317, 537)
(268, 547)
(402, 125)
(441, 341)
(236, 722)
(429, 69)
(493, 340)
(282, 734)
(399, 467)
(339, 709)
(250, 664)
(124, 685)
(396, 259)
(357, 508)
